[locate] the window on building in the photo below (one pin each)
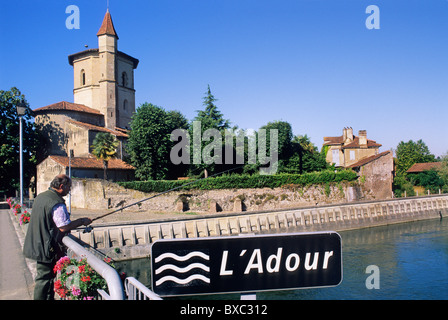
(125, 104)
(352, 154)
(335, 154)
(83, 77)
(124, 79)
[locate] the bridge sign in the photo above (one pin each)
(246, 263)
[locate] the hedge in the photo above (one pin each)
(243, 181)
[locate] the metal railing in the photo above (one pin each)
(113, 280)
(135, 290)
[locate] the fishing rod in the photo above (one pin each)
(90, 228)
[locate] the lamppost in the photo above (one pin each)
(21, 109)
(70, 156)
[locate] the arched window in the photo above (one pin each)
(125, 104)
(83, 77)
(124, 79)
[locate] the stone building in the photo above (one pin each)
(375, 169)
(104, 101)
(376, 173)
(348, 149)
(81, 167)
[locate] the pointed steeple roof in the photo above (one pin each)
(107, 27)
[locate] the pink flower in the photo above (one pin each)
(63, 262)
(75, 291)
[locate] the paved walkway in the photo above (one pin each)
(16, 281)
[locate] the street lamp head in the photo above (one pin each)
(21, 108)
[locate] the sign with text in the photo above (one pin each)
(246, 263)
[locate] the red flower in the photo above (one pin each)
(85, 279)
(57, 284)
(63, 262)
(62, 293)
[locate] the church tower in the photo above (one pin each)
(107, 52)
(104, 78)
(104, 101)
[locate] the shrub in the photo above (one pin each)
(244, 181)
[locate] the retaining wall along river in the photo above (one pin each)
(133, 240)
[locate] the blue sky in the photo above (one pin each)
(312, 63)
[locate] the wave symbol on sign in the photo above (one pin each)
(182, 269)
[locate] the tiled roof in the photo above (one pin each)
(107, 27)
(80, 54)
(97, 128)
(64, 105)
(355, 144)
(95, 51)
(365, 161)
(334, 141)
(91, 163)
(329, 141)
(420, 167)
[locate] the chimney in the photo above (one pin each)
(344, 134)
(362, 138)
(350, 134)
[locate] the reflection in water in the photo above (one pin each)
(412, 259)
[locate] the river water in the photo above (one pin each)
(412, 260)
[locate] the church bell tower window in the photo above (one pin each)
(83, 77)
(124, 79)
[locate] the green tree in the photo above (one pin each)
(430, 179)
(104, 148)
(285, 136)
(402, 187)
(284, 141)
(150, 143)
(10, 144)
(443, 173)
(409, 153)
(209, 118)
(305, 157)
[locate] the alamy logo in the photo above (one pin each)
(258, 147)
(73, 20)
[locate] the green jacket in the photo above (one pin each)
(43, 237)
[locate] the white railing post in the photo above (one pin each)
(135, 290)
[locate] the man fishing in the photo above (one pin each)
(50, 222)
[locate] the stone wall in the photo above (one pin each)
(45, 173)
(130, 241)
(378, 175)
(100, 194)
